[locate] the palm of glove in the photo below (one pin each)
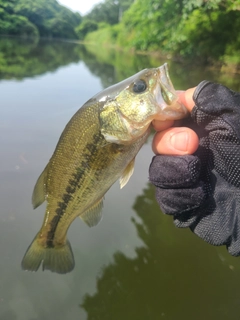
(202, 191)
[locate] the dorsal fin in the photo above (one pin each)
(40, 192)
(94, 214)
(128, 171)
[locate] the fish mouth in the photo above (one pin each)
(167, 90)
(167, 98)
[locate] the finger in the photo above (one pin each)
(186, 98)
(162, 125)
(175, 141)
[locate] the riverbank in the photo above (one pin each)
(202, 32)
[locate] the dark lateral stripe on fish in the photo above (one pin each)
(71, 188)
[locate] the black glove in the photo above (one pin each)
(202, 191)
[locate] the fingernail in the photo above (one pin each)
(179, 141)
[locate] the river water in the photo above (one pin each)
(135, 264)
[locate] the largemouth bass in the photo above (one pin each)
(97, 147)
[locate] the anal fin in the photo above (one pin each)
(93, 215)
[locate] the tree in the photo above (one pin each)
(85, 27)
(42, 17)
(109, 11)
(11, 24)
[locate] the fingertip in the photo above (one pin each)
(186, 97)
(175, 141)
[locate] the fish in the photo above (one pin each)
(97, 147)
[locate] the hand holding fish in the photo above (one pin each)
(99, 145)
(202, 191)
(176, 140)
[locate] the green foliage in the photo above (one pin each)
(8, 6)
(51, 19)
(85, 27)
(149, 24)
(105, 35)
(109, 11)
(197, 29)
(206, 34)
(11, 24)
(42, 17)
(203, 30)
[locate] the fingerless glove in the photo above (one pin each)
(202, 191)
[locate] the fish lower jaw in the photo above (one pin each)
(175, 111)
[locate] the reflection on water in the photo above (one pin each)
(20, 58)
(172, 275)
(135, 264)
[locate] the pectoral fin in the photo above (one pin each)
(94, 214)
(39, 192)
(128, 171)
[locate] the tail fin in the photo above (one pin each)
(56, 259)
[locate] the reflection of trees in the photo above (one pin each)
(120, 65)
(20, 58)
(103, 70)
(112, 65)
(167, 279)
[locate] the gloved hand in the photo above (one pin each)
(202, 191)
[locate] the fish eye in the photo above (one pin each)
(139, 86)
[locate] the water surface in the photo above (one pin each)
(135, 264)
